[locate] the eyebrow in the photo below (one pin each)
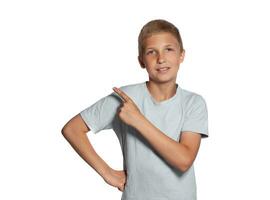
(164, 46)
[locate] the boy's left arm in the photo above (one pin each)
(179, 154)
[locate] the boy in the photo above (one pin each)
(159, 125)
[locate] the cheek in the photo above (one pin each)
(150, 61)
(176, 60)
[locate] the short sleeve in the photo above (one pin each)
(100, 115)
(196, 116)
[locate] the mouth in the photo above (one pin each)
(163, 69)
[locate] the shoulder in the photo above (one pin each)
(191, 98)
(133, 90)
(131, 87)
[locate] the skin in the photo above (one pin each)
(161, 49)
(75, 132)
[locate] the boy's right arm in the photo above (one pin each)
(75, 132)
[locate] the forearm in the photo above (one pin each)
(82, 145)
(175, 153)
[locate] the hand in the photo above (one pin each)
(129, 112)
(116, 178)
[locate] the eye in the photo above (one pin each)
(150, 52)
(169, 49)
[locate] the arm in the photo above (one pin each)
(75, 133)
(179, 154)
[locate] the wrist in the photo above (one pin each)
(104, 173)
(139, 121)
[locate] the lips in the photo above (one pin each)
(163, 69)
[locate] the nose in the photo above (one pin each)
(161, 58)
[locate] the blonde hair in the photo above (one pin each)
(157, 26)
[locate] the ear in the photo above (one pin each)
(182, 56)
(141, 62)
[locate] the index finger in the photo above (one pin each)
(121, 94)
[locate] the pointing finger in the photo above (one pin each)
(121, 94)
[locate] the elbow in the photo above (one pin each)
(65, 130)
(184, 166)
(69, 131)
(183, 169)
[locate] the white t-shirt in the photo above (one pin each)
(149, 176)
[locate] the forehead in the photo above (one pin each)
(160, 39)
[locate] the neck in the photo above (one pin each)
(162, 91)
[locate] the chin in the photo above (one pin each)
(165, 80)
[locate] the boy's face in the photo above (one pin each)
(162, 51)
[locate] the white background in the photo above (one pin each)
(59, 57)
